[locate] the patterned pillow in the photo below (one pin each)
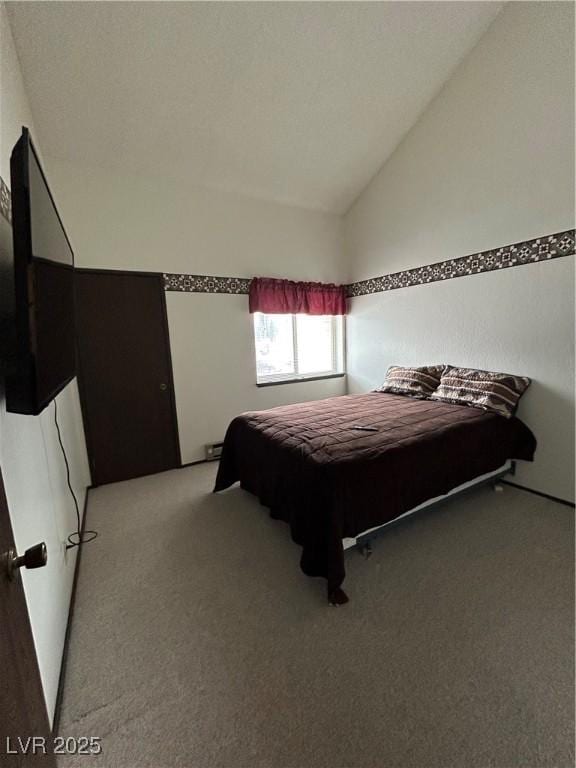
(417, 382)
(491, 391)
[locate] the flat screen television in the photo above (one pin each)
(45, 358)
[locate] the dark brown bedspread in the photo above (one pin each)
(329, 481)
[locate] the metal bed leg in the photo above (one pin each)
(364, 542)
(365, 549)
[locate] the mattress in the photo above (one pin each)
(329, 480)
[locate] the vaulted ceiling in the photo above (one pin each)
(294, 102)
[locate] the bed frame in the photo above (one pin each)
(363, 542)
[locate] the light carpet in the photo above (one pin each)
(197, 641)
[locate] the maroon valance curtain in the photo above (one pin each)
(285, 297)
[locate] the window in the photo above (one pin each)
(296, 347)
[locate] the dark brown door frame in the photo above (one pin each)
(23, 713)
(159, 276)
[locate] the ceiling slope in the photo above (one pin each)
(299, 103)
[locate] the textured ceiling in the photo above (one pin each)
(294, 102)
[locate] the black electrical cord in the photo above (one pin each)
(77, 538)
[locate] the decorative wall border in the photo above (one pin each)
(542, 248)
(525, 252)
(205, 283)
(5, 201)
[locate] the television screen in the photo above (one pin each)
(44, 288)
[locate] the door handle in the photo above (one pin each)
(34, 557)
(163, 387)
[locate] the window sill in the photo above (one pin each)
(300, 379)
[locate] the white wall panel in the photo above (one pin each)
(41, 508)
(490, 162)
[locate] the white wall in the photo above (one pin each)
(157, 224)
(121, 222)
(212, 387)
(473, 322)
(41, 508)
(490, 162)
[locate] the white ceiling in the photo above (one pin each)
(295, 102)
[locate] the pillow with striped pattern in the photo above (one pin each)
(417, 382)
(491, 391)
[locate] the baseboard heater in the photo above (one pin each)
(213, 451)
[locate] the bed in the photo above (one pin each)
(336, 468)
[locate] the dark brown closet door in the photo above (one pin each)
(125, 374)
